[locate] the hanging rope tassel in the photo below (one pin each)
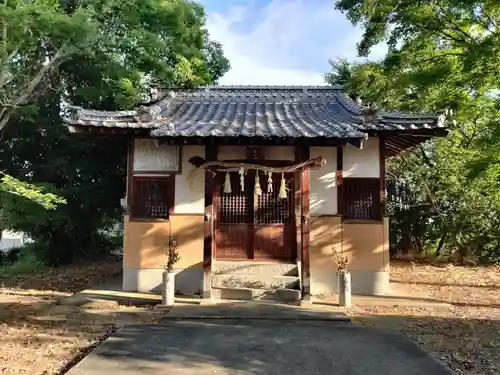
(242, 179)
(257, 190)
(269, 182)
(282, 193)
(227, 184)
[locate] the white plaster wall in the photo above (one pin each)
(279, 153)
(323, 195)
(231, 152)
(364, 162)
(190, 185)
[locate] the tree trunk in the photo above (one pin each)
(441, 244)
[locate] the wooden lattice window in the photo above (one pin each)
(235, 207)
(153, 197)
(270, 208)
(361, 198)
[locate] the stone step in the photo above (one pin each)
(280, 295)
(262, 281)
(253, 268)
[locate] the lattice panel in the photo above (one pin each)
(361, 198)
(235, 207)
(153, 197)
(270, 208)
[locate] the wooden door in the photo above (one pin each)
(274, 220)
(255, 227)
(234, 225)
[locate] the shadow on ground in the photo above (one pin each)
(435, 302)
(258, 347)
(66, 279)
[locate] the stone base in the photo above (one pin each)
(145, 280)
(228, 268)
(249, 294)
(371, 283)
(263, 281)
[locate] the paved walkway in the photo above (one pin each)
(257, 338)
(251, 338)
(257, 347)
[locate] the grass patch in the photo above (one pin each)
(26, 263)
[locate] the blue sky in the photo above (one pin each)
(281, 42)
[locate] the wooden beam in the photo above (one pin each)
(399, 143)
(356, 142)
(210, 221)
(437, 132)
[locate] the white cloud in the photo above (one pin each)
(283, 43)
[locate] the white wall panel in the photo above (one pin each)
(323, 196)
(364, 162)
(190, 184)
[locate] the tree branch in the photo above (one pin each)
(426, 29)
(447, 54)
(492, 21)
(455, 26)
(6, 112)
(426, 157)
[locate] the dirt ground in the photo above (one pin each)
(465, 334)
(41, 334)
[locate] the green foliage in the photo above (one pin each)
(95, 53)
(26, 263)
(442, 55)
(34, 193)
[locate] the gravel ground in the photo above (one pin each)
(465, 335)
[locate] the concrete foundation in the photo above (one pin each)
(325, 282)
(187, 281)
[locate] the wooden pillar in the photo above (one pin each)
(382, 176)
(302, 154)
(209, 243)
(129, 182)
(340, 178)
(298, 214)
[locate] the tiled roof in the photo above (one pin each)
(254, 111)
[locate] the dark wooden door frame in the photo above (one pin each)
(302, 215)
(252, 230)
(209, 238)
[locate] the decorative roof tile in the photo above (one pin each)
(254, 111)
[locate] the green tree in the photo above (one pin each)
(444, 195)
(135, 43)
(447, 50)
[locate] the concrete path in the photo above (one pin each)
(257, 347)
